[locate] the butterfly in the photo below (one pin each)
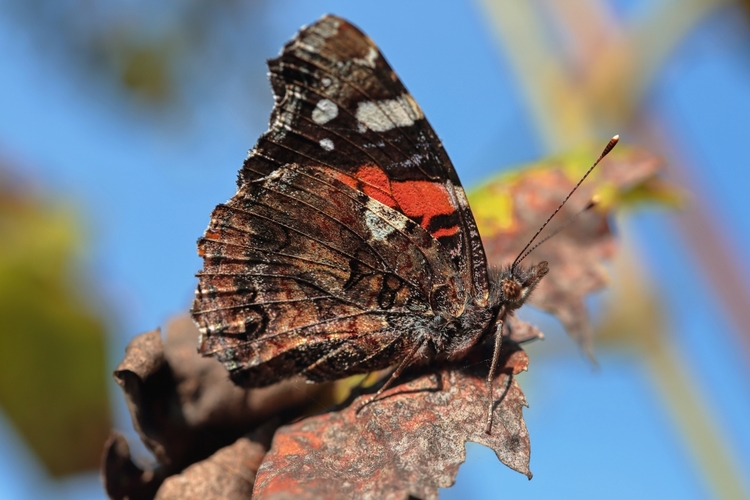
(350, 245)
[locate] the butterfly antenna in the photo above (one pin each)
(523, 253)
(591, 204)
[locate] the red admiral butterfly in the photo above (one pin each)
(350, 245)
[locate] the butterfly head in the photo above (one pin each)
(510, 287)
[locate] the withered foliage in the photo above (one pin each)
(409, 442)
(211, 439)
(186, 410)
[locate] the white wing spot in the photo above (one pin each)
(378, 228)
(326, 82)
(387, 114)
(372, 54)
(379, 212)
(326, 144)
(369, 59)
(324, 111)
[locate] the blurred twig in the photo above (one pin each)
(642, 326)
(592, 86)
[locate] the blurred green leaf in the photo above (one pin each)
(52, 339)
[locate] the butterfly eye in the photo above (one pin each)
(511, 290)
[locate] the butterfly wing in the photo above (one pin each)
(300, 265)
(349, 231)
(339, 104)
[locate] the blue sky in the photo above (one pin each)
(145, 191)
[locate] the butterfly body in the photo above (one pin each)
(350, 245)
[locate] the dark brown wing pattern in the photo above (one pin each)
(304, 274)
(349, 230)
(339, 104)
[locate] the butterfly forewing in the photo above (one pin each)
(339, 104)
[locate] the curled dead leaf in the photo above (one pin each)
(185, 408)
(228, 473)
(122, 478)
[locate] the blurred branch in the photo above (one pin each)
(595, 80)
(641, 325)
(703, 235)
(597, 89)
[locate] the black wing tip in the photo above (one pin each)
(326, 26)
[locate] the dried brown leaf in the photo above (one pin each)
(184, 407)
(410, 441)
(122, 478)
(228, 473)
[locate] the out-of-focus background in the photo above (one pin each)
(123, 123)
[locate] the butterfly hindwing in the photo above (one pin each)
(301, 268)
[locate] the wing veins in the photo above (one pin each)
(330, 247)
(348, 112)
(396, 229)
(309, 138)
(260, 250)
(269, 302)
(293, 277)
(363, 240)
(368, 97)
(329, 320)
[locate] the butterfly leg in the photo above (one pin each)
(401, 367)
(491, 375)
